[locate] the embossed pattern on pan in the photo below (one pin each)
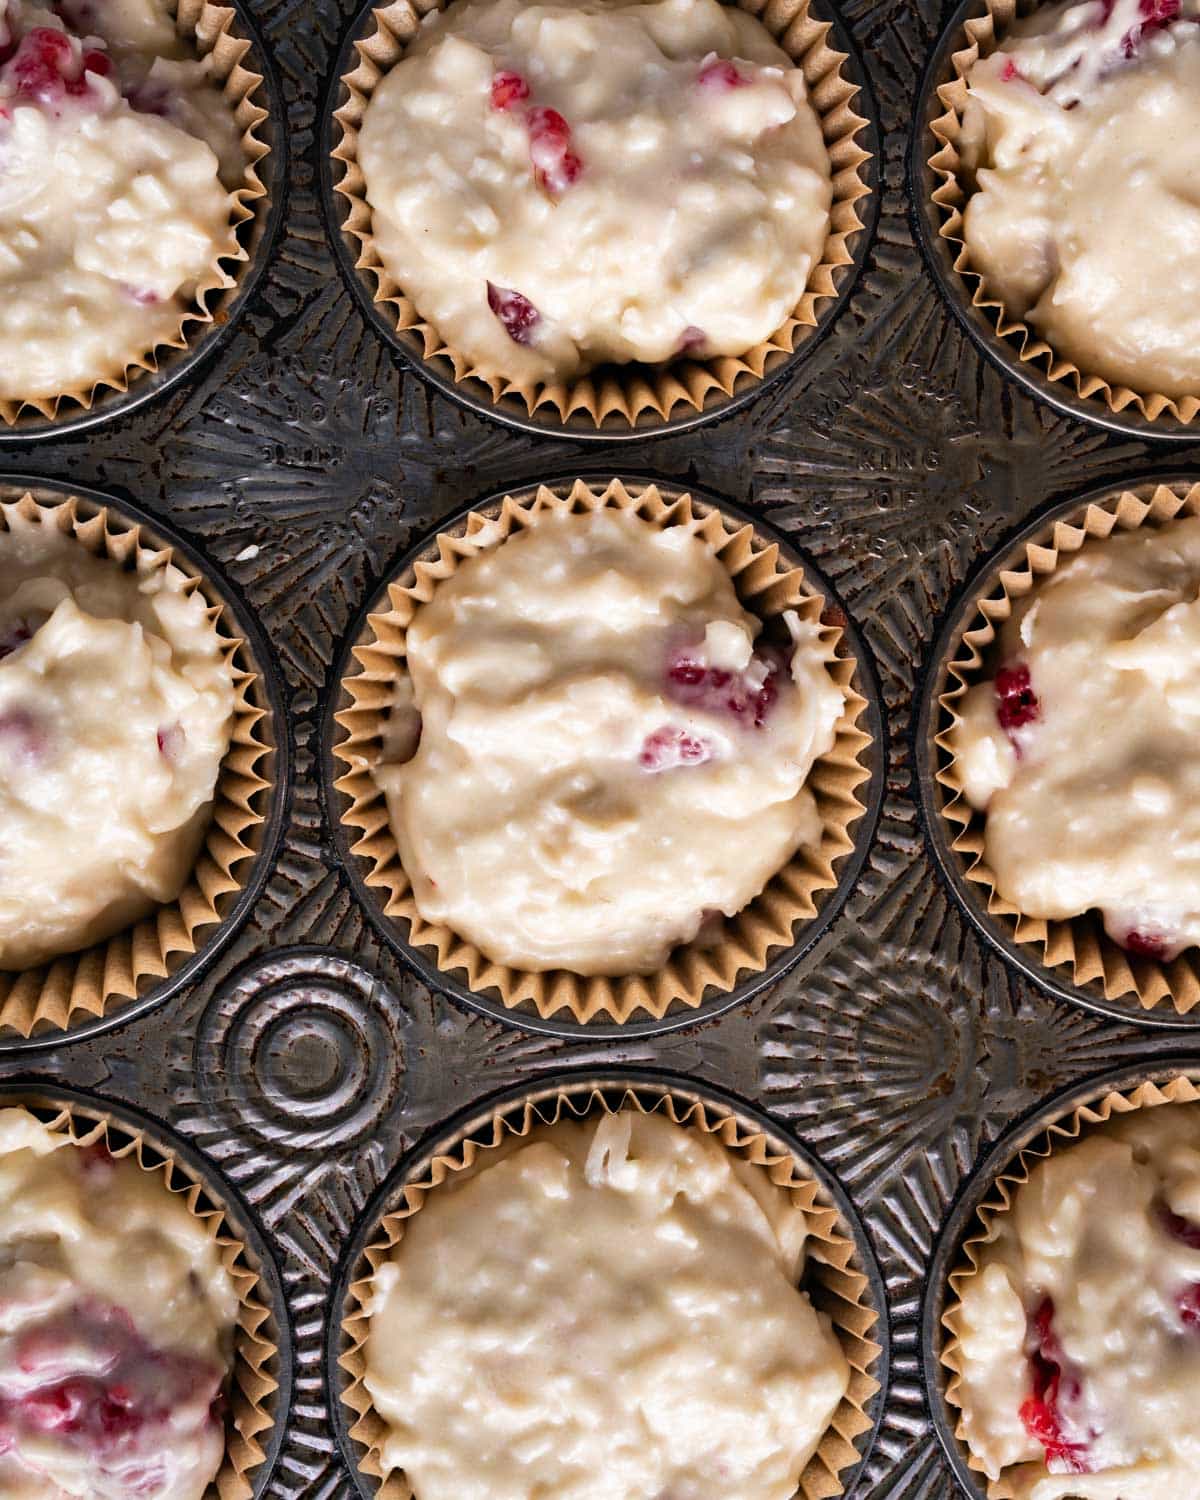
(1074, 959)
(757, 943)
(841, 1275)
(301, 462)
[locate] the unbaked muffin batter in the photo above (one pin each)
(556, 185)
(606, 754)
(1084, 125)
(116, 1327)
(1082, 746)
(1080, 1337)
(116, 705)
(602, 1310)
(117, 154)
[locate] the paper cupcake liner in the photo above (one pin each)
(1148, 1095)
(636, 390)
(980, 37)
(836, 1286)
(212, 29)
(87, 984)
(1079, 945)
(766, 585)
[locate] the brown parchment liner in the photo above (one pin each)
(628, 391)
(251, 1383)
(1080, 944)
(1179, 1090)
(980, 38)
(835, 1286)
(212, 30)
(81, 986)
(766, 586)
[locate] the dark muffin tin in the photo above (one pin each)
(305, 1059)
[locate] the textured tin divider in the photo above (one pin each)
(828, 901)
(473, 393)
(575, 1087)
(274, 767)
(985, 584)
(941, 253)
(47, 1099)
(961, 1222)
(256, 235)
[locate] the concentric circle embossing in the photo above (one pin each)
(303, 1048)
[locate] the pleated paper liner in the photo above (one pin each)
(999, 1199)
(1080, 947)
(252, 1384)
(213, 31)
(766, 585)
(979, 38)
(836, 1287)
(88, 984)
(636, 391)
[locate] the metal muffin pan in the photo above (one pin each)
(306, 1059)
(511, 410)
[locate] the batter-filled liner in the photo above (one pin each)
(635, 391)
(766, 586)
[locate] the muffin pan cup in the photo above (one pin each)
(988, 1193)
(758, 944)
(841, 1273)
(242, 64)
(1074, 960)
(937, 199)
(615, 401)
(259, 1386)
(87, 991)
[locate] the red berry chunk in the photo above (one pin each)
(517, 313)
(22, 737)
(1010, 71)
(171, 740)
(1187, 1304)
(1053, 1384)
(1145, 944)
(555, 165)
(720, 76)
(508, 89)
(48, 68)
(1156, 16)
(670, 747)
(691, 340)
(13, 636)
(105, 1393)
(151, 99)
(712, 688)
(1016, 702)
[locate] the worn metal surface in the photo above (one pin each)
(306, 1060)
